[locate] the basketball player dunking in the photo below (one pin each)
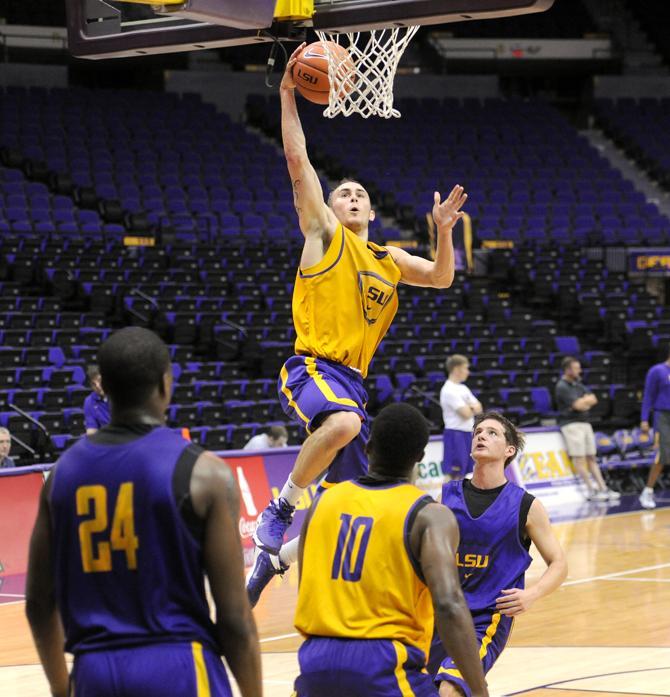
(497, 521)
(344, 301)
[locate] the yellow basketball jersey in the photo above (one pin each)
(357, 578)
(344, 305)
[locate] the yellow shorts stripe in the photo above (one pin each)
(490, 633)
(289, 395)
(400, 674)
(201, 677)
(324, 387)
(483, 649)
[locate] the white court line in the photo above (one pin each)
(605, 577)
(277, 638)
(649, 580)
(576, 582)
(12, 595)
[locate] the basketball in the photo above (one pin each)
(311, 70)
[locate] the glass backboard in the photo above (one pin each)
(105, 28)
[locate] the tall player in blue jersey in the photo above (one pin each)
(129, 523)
(497, 521)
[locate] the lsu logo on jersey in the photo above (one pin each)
(375, 294)
(472, 561)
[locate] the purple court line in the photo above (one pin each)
(552, 685)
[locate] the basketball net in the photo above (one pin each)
(367, 88)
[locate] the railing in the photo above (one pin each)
(43, 443)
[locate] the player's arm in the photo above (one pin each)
(648, 398)
(417, 271)
(434, 541)
(215, 499)
(458, 404)
(514, 601)
(41, 610)
(316, 219)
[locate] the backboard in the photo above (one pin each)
(106, 29)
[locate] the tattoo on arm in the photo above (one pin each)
(296, 185)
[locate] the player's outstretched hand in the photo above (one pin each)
(287, 82)
(446, 213)
(514, 601)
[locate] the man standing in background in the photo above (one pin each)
(459, 408)
(574, 401)
(657, 398)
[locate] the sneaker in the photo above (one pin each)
(647, 499)
(597, 496)
(272, 525)
(613, 495)
(265, 568)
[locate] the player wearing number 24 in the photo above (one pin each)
(129, 522)
(377, 558)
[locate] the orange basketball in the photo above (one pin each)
(310, 71)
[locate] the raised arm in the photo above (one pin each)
(316, 219)
(41, 610)
(216, 499)
(417, 271)
(514, 601)
(434, 540)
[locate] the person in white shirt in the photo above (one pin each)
(459, 408)
(276, 437)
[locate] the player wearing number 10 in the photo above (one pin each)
(129, 521)
(376, 556)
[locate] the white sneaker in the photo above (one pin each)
(613, 495)
(598, 496)
(647, 499)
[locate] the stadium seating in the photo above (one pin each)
(218, 285)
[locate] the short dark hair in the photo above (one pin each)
(132, 363)
(513, 436)
(276, 432)
(454, 361)
(398, 438)
(567, 362)
(344, 180)
(92, 371)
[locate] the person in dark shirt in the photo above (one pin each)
(574, 401)
(130, 521)
(5, 447)
(497, 521)
(96, 406)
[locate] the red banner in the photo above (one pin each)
(19, 496)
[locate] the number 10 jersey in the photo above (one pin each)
(359, 579)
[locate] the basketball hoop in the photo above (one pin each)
(367, 89)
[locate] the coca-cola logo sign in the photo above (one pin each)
(247, 527)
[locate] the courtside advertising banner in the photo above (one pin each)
(261, 477)
(546, 470)
(19, 497)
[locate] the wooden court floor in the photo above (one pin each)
(605, 632)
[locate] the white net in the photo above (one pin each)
(362, 82)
